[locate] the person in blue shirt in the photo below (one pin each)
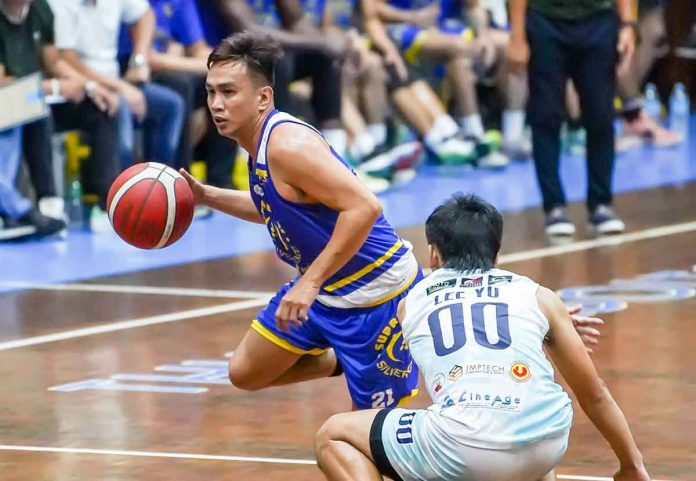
(308, 54)
(178, 26)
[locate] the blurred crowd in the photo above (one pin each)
(389, 83)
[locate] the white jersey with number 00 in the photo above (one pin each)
(477, 339)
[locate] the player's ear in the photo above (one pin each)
(265, 97)
(434, 257)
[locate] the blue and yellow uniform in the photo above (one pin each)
(355, 311)
(409, 39)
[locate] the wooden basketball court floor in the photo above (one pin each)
(124, 378)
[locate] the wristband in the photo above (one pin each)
(55, 87)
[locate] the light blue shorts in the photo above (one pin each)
(407, 445)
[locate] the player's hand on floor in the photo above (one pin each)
(586, 327)
(632, 474)
(197, 187)
(295, 305)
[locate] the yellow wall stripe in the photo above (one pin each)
(365, 270)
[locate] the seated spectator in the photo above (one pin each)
(364, 102)
(87, 36)
(415, 100)
(18, 217)
(26, 47)
(178, 25)
(437, 45)
(308, 54)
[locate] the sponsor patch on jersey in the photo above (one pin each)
(520, 372)
(455, 373)
(438, 382)
(258, 189)
(506, 401)
(441, 285)
(472, 281)
(484, 368)
(492, 280)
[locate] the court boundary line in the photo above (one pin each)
(607, 241)
(214, 457)
(133, 323)
(134, 289)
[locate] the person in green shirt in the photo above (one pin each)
(585, 41)
(27, 47)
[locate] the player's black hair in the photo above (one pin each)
(259, 53)
(467, 231)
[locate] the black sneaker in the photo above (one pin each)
(44, 225)
(558, 223)
(604, 221)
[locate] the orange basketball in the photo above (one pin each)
(150, 205)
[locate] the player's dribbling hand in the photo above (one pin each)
(584, 327)
(197, 187)
(637, 473)
(295, 304)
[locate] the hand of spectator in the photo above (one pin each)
(104, 99)
(518, 53)
(73, 90)
(138, 75)
(135, 98)
(197, 187)
(426, 17)
(626, 47)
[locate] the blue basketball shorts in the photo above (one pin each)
(368, 342)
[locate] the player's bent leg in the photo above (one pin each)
(257, 362)
(342, 447)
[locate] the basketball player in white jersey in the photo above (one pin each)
(478, 333)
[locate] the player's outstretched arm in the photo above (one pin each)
(231, 202)
(568, 353)
(303, 167)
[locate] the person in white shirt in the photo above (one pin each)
(87, 36)
(478, 335)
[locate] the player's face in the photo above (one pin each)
(234, 99)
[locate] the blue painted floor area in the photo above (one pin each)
(84, 256)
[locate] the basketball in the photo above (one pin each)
(150, 205)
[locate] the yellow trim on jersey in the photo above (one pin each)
(365, 270)
(392, 295)
(468, 34)
(407, 399)
(412, 52)
(280, 342)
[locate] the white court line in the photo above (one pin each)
(145, 321)
(599, 242)
(211, 457)
(148, 454)
(126, 289)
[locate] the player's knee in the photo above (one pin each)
(242, 378)
(330, 431)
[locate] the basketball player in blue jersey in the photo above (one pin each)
(339, 314)
(478, 334)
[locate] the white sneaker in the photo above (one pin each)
(456, 151)
(493, 160)
(375, 184)
(54, 207)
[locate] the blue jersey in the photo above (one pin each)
(265, 12)
(448, 8)
(383, 265)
